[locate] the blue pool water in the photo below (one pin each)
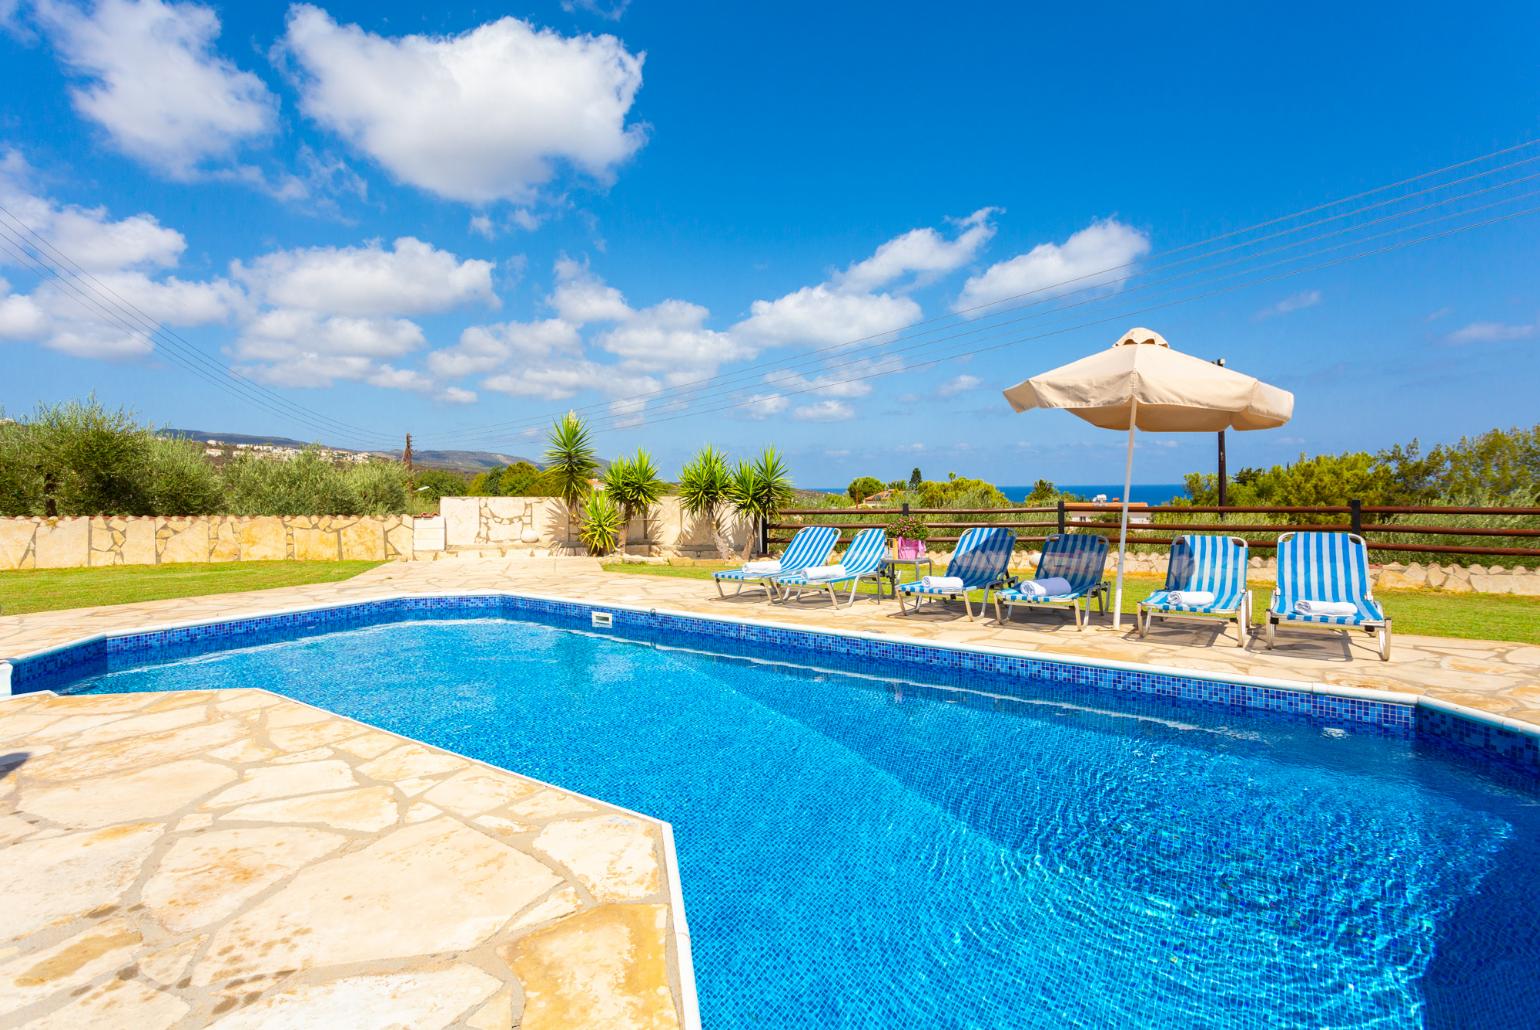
(871, 853)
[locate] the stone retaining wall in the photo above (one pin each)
(67, 543)
(540, 526)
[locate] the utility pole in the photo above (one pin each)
(406, 454)
(1221, 363)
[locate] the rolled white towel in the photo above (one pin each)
(942, 583)
(1191, 598)
(825, 572)
(1331, 609)
(1052, 586)
(762, 568)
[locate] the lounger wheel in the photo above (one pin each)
(1272, 632)
(1385, 642)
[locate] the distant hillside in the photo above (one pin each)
(466, 461)
(459, 461)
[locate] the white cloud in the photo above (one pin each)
(1098, 255)
(825, 316)
(21, 317)
(1493, 332)
(959, 384)
(411, 278)
(482, 226)
(1293, 302)
(551, 381)
(628, 412)
(581, 297)
(486, 115)
(824, 411)
(611, 11)
(155, 82)
(848, 309)
(922, 251)
(763, 405)
(483, 348)
(456, 395)
(852, 379)
(87, 237)
(279, 334)
(671, 335)
(103, 313)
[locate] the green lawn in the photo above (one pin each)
(1424, 612)
(42, 590)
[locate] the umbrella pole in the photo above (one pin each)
(1128, 484)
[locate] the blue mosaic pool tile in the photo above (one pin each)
(1463, 734)
(1008, 675)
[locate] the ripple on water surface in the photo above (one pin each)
(863, 853)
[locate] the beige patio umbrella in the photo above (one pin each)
(1141, 383)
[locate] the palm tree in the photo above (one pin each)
(603, 524)
(760, 490)
(570, 461)
(703, 488)
(634, 484)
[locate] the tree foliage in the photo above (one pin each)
(863, 487)
(703, 491)
(1502, 466)
(81, 458)
(758, 490)
(634, 484)
(570, 459)
(602, 523)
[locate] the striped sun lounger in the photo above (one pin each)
(1211, 564)
(862, 560)
(811, 546)
(982, 561)
(1080, 558)
(1326, 567)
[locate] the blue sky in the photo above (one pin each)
(690, 220)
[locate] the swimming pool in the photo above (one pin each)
(864, 848)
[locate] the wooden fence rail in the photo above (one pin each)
(1103, 518)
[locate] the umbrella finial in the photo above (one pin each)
(1140, 335)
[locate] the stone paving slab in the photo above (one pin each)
(237, 859)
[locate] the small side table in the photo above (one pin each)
(890, 568)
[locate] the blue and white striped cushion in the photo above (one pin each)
(811, 546)
(1216, 564)
(1324, 567)
(982, 557)
(862, 558)
(1080, 558)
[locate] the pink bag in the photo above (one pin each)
(908, 549)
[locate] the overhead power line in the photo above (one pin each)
(42, 256)
(1091, 282)
(616, 423)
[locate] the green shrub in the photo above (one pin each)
(602, 523)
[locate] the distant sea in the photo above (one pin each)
(1141, 493)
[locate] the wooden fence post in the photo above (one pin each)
(1356, 516)
(1063, 518)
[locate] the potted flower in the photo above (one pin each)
(909, 533)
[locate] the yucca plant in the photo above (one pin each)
(634, 484)
(570, 461)
(703, 488)
(759, 490)
(602, 525)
